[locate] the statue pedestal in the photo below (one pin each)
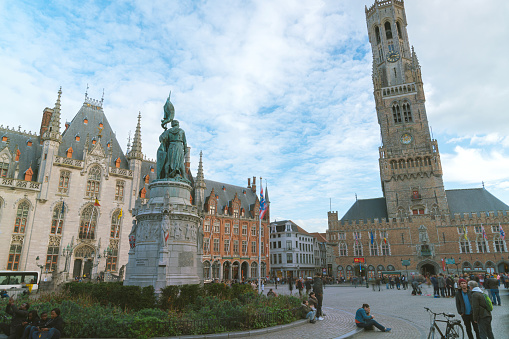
(166, 231)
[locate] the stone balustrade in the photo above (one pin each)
(20, 184)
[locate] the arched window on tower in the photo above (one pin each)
(88, 222)
(407, 112)
(58, 219)
(396, 113)
(21, 217)
(377, 35)
(93, 182)
(115, 225)
(388, 30)
(398, 26)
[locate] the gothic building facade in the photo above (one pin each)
(66, 198)
(416, 220)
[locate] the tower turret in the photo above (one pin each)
(200, 185)
(135, 158)
(135, 152)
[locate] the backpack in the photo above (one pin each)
(489, 305)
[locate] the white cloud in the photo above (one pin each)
(278, 89)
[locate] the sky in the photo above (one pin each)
(275, 89)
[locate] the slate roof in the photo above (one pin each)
(247, 197)
(281, 227)
(367, 209)
(320, 237)
(29, 155)
(471, 200)
(95, 115)
(474, 200)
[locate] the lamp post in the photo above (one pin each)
(406, 263)
(41, 266)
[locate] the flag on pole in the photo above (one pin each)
(263, 205)
(96, 203)
(372, 237)
(484, 233)
(502, 233)
(385, 240)
(120, 214)
(465, 233)
(443, 265)
(356, 240)
(62, 211)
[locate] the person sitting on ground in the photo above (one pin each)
(19, 315)
(363, 320)
(54, 327)
(34, 324)
(308, 312)
(313, 302)
(271, 293)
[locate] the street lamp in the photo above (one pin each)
(457, 264)
(406, 263)
(41, 266)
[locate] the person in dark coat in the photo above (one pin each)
(318, 289)
(35, 325)
(308, 286)
(19, 316)
(434, 281)
(464, 308)
(54, 327)
(480, 312)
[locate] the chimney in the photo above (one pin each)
(46, 117)
(248, 182)
(254, 184)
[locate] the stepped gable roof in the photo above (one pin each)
(320, 237)
(281, 227)
(29, 155)
(225, 196)
(367, 209)
(95, 115)
(474, 201)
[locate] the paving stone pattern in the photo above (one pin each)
(393, 308)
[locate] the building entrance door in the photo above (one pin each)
(87, 269)
(427, 269)
(77, 268)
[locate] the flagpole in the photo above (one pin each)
(260, 246)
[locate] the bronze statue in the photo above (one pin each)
(172, 150)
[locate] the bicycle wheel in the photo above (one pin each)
(431, 334)
(455, 332)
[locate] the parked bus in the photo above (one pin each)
(17, 282)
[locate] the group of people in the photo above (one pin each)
(27, 324)
(312, 307)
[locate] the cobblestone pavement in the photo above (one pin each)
(394, 308)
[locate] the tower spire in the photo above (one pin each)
(200, 179)
(136, 146)
(53, 131)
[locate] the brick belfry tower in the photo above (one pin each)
(410, 167)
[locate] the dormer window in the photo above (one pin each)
(117, 163)
(4, 138)
(108, 145)
(288, 227)
(69, 152)
(147, 178)
(18, 153)
(94, 141)
(77, 137)
(143, 193)
(28, 174)
(29, 143)
(152, 169)
(85, 121)
(101, 125)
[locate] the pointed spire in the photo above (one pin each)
(136, 146)
(415, 61)
(53, 131)
(267, 200)
(200, 179)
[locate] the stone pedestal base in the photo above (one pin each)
(167, 243)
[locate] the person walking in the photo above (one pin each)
(308, 284)
(492, 283)
(290, 285)
(480, 312)
(300, 286)
(464, 308)
(318, 289)
(434, 281)
(441, 284)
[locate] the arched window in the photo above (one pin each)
(373, 249)
(21, 217)
(111, 260)
(396, 113)
(342, 249)
(407, 112)
(88, 222)
(119, 190)
(341, 272)
(116, 219)
(390, 268)
(63, 182)
(94, 181)
(58, 219)
(206, 270)
(377, 35)
(388, 30)
(254, 270)
(398, 27)
(14, 255)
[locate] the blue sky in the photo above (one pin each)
(277, 89)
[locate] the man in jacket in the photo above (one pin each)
(434, 282)
(54, 327)
(364, 320)
(492, 284)
(480, 312)
(19, 315)
(464, 308)
(441, 284)
(318, 289)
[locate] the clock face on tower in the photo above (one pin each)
(406, 138)
(393, 56)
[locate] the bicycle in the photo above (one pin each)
(454, 329)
